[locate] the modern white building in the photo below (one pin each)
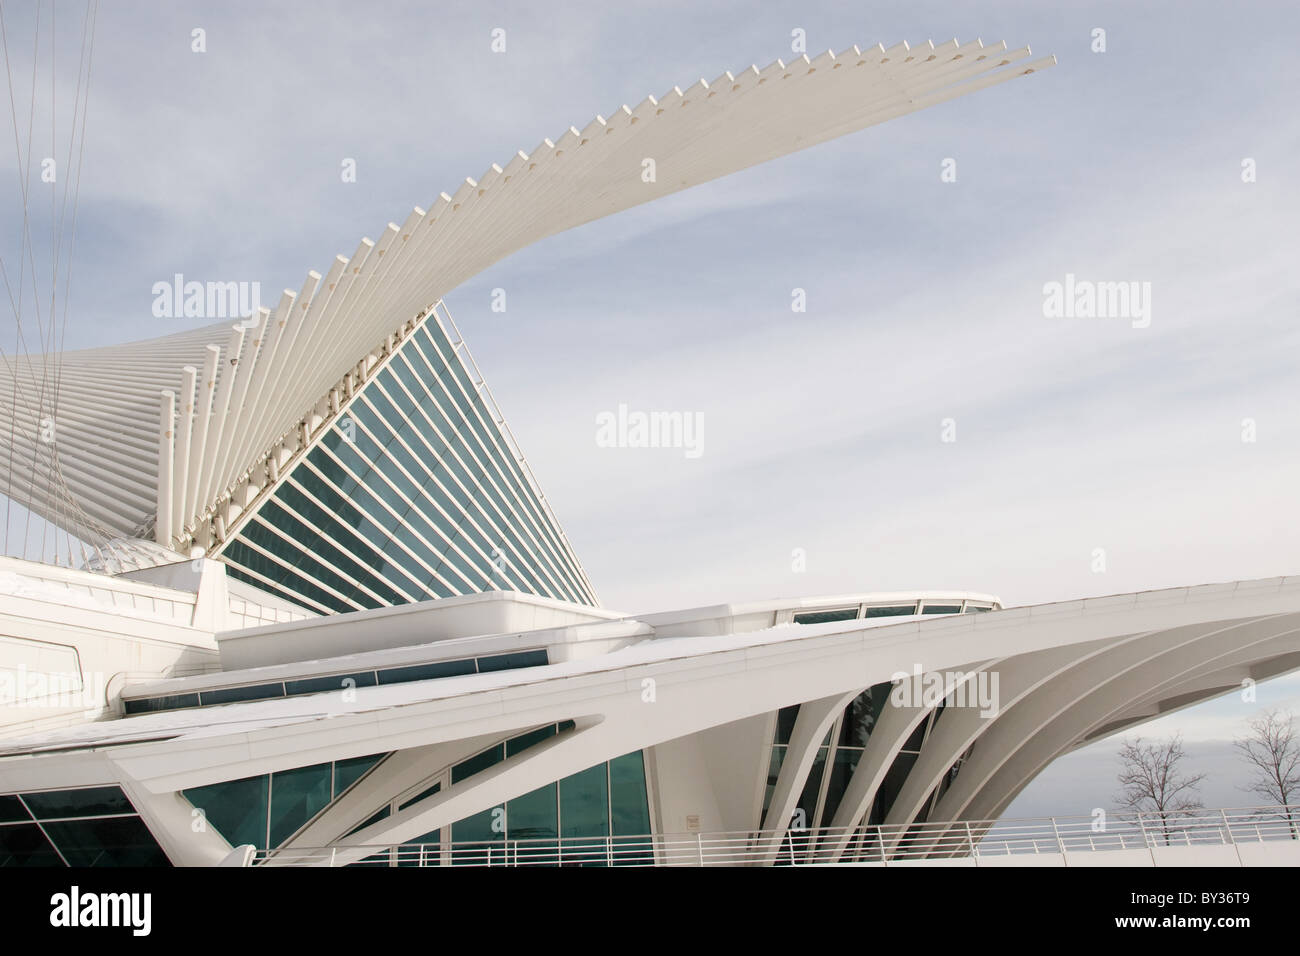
(330, 618)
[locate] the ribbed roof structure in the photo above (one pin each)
(157, 436)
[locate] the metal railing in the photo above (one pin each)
(876, 843)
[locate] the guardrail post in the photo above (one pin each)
(699, 847)
(970, 841)
(1056, 832)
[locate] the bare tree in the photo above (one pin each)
(1273, 750)
(1153, 782)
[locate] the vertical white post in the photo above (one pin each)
(184, 439)
(166, 458)
(212, 448)
(203, 419)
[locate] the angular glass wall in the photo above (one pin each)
(836, 758)
(411, 494)
(596, 814)
(265, 811)
(833, 767)
(89, 826)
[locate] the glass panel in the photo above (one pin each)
(898, 611)
(916, 737)
(426, 792)
(314, 685)
(826, 617)
(237, 808)
(424, 850)
(476, 838)
(87, 802)
(477, 763)
(25, 845)
(11, 809)
(403, 675)
(380, 814)
(842, 767)
(941, 609)
(812, 789)
(628, 805)
(773, 772)
(151, 705)
(584, 803)
(532, 819)
(785, 719)
(891, 785)
(347, 772)
(230, 695)
(502, 662)
(859, 718)
(584, 812)
(531, 739)
(296, 796)
(114, 841)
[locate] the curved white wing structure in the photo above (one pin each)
(236, 403)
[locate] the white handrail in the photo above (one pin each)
(872, 843)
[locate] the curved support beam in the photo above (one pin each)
(961, 727)
(895, 725)
(1059, 735)
(1021, 722)
(810, 729)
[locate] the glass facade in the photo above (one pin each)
(85, 827)
(589, 810)
(836, 760)
(839, 754)
(578, 820)
(412, 494)
(604, 802)
(267, 810)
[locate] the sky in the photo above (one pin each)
(822, 429)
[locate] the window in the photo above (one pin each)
(589, 811)
(317, 685)
(941, 609)
(900, 610)
(826, 617)
(83, 827)
(267, 810)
